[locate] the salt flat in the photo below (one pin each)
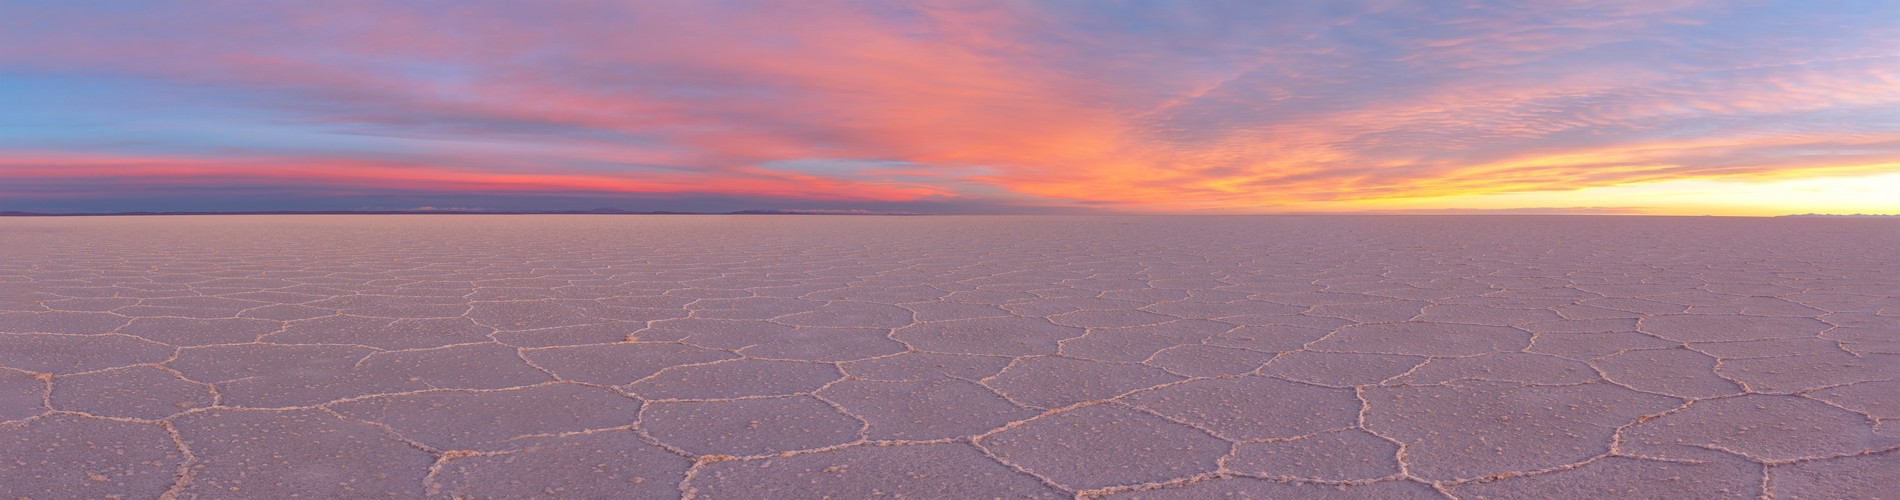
(949, 357)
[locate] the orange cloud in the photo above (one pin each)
(1255, 107)
(187, 172)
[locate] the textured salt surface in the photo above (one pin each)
(949, 357)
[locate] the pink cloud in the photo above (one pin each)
(1140, 108)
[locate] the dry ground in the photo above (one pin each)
(949, 357)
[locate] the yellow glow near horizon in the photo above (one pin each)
(1878, 193)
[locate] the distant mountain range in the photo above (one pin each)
(597, 211)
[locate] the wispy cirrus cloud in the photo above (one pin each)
(1194, 106)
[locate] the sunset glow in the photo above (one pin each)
(1647, 107)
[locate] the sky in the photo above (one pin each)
(1669, 107)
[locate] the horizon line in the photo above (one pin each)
(1501, 213)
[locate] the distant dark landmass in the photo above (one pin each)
(597, 211)
(1863, 216)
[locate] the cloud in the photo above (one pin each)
(43, 176)
(1229, 106)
